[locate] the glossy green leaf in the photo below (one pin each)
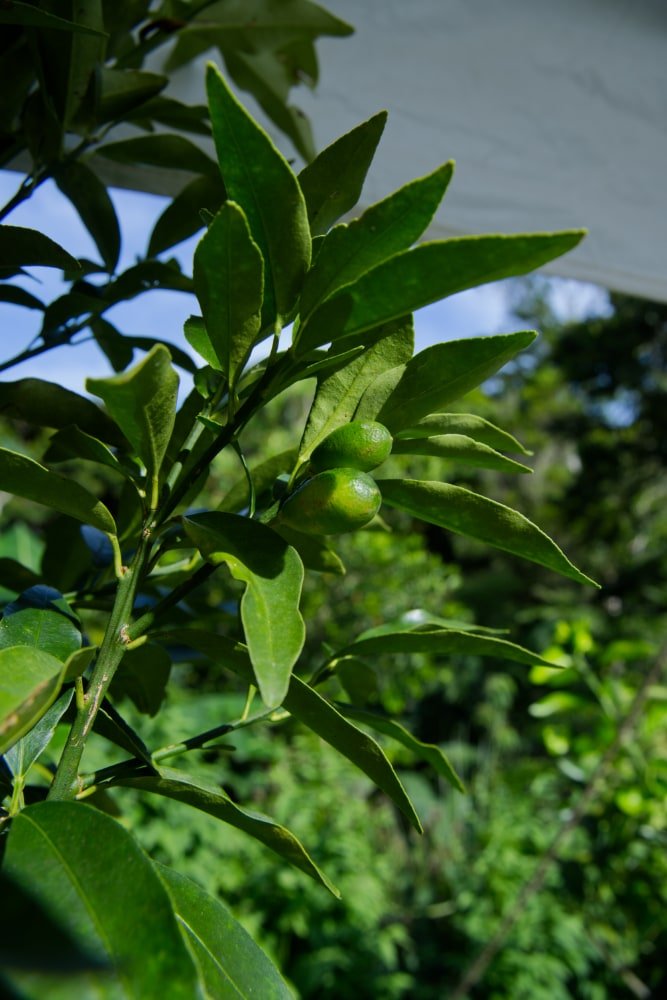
(228, 277)
(273, 575)
(23, 754)
(260, 180)
(392, 225)
(174, 152)
(440, 641)
(20, 247)
(122, 90)
(40, 618)
(29, 682)
(458, 448)
(89, 872)
(470, 514)
(213, 800)
(428, 752)
(338, 395)
(428, 273)
(229, 962)
(142, 401)
(181, 218)
(28, 479)
(310, 708)
(46, 404)
(96, 210)
(332, 183)
(26, 15)
(463, 423)
(142, 676)
(444, 372)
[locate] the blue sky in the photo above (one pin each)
(482, 310)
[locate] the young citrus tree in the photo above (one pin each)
(334, 304)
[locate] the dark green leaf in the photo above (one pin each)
(470, 514)
(174, 114)
(392, 225)
(458, 448)
(29, 682)
(230, 964)
(306, 705)
(89, 872)
(338, 395)
(143, 403)
(273, 575)
(178, 356)
(70, 443)
(19, 246)
(445, 372)
(181, 218)
(17, 577)
(429, 752)
(29, 16)
(357, 678)
(46, 404)
(112, 343)
(313, 550)
(40, 618)
(91, 200)
(142, 677)
(258, 177)
(426, 274)
(110, 724)
(30, 480)
(332, 183)
(172, 151)
(214, 801)
(228, 277)
(463, 423)
(270, 19)
(263, 475)
(123, 90)
(19, 297)
(23, 754)
(78, 662)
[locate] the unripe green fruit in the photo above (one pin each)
(361, 444)
(331, 503)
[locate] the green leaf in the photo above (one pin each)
(70, 443)
(313, 550)
(386, 228)
(269, 78)
(229, 962)
(23, 754)
(263, 475)
(258, 177)
(89, 872)
(142, 401)
(41, 618)
(27, 16)
(28, 479)
(181, 218)
(428, 273)
(19, 297)
(213, 800)
(458, 448)
(78, 662)
(445, 372)
(306, 705)
(46, 404)
(476, 516)
(338, 394)
(174, 152)
(29, 682)
(228, 277)
(142, 677)
(123, 90)
(428, 752)
(110, 724)
(463, 423)
(96, 210)
(273, 575)
(440, 641)
(332, 183)
(20, 246)
(269, 19)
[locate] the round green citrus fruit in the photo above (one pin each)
(332, 502)
(361, 444)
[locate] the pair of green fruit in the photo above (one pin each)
(341, 496)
